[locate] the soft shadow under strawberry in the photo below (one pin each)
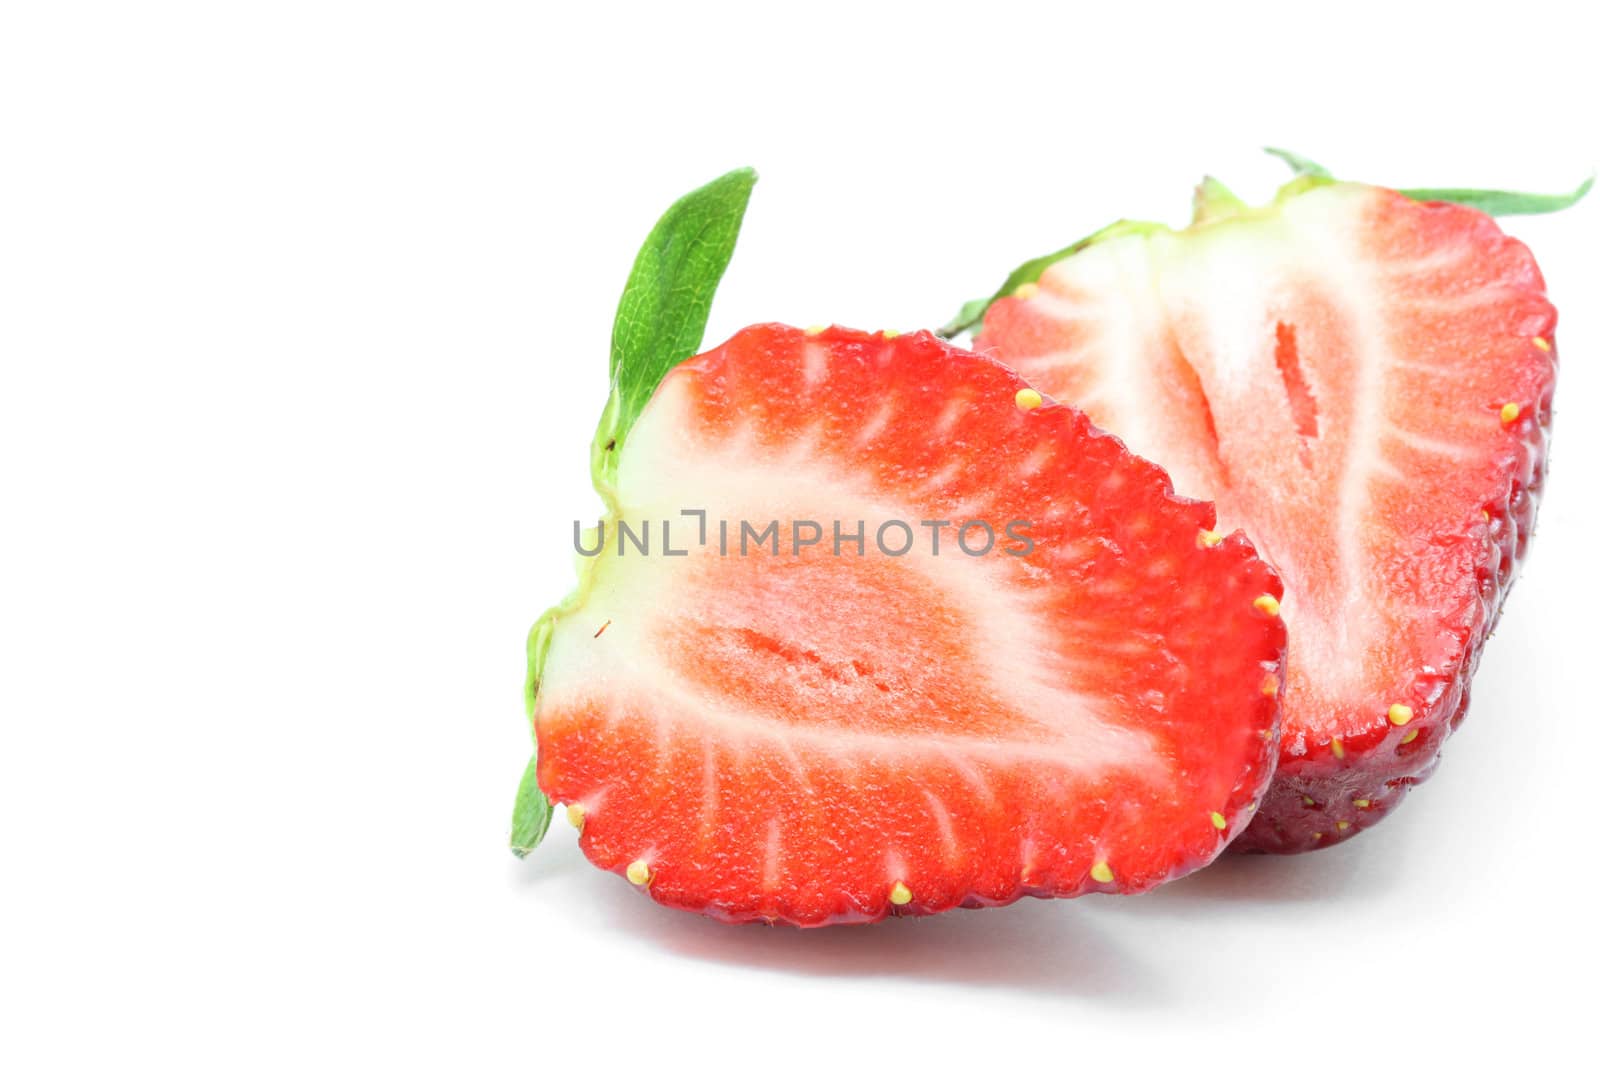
(1027, 948)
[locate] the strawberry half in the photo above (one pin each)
(906, 635)
(1362, 380)
(807, 737)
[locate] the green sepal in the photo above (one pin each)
(1493, 202)
(970, 317)
(1299, 164)
(972, 312)
(1214, 201)
(531, 817)
(539, 648)
(605, 452)
(1498, 203)
(661, 318)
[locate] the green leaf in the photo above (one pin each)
(1298, 163)
(661, 318)
(531, 817)
(1213, 201)
(972, 312)
(1495, 202)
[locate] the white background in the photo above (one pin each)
(304, 313)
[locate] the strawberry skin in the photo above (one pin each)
(1363, 383)
(816, 738)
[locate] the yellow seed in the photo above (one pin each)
(900, 894)
(1251, 806)
(1208, 538)
(575, 815)
(1101, 872)
(1308, 802)
(1399, 714)
(890, 335)
(1408, 738)
(1509, 413)
(1269, 685)
(1267, 604)
(1363, 803)
(812, 331)
(638, 872)
(1484, 515)
(1316, 835)
(1218, 821)
(1342, 826)
(1541, 344)
(1028, 399)
(1026, 290)
(1338, 748)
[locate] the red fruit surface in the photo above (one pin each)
(1363, 384)
(821, 738)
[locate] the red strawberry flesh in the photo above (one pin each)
(821, 738)
(1363, 383)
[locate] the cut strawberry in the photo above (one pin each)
(831, 733)
(1362, 382)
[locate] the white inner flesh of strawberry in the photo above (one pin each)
(1335, 395)
(858, 657)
